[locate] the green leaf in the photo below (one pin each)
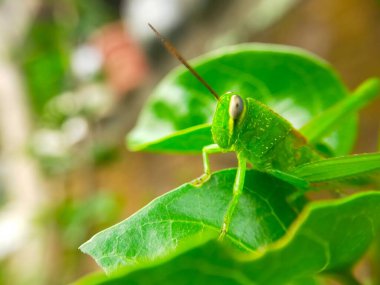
(294, 83)
(261, 217)
(327, 237)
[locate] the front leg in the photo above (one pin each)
(236, 193)
(209, 149)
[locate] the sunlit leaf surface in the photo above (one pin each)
(327, 237)
(294, 83)
(262, 216)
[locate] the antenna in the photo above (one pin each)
(171, 49)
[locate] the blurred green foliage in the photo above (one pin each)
(61, 104)
(103, 154)
(46, 51)
(95, 212)
(2, 272)
(2, 196)
(93, 14)
(45, 62)
(71, 220)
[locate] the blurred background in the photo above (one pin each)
(74, 75)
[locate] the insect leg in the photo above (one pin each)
(209, 149)
(339, 167)
(300, 183)
(236, 193)
(324, 123)
(290, 178)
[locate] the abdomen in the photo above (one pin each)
(291, 152)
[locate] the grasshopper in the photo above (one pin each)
(271, 144)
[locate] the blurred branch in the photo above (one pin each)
(15, 18)
(21, 181)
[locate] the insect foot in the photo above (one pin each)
(198, 182)
(223, 231)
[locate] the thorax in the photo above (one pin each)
(268, 140)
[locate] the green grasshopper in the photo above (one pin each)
(270, 143)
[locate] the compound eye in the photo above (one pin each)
(236, 107)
